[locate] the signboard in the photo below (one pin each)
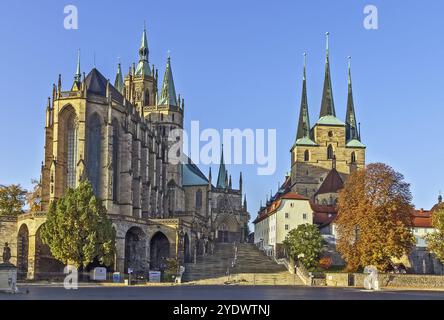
(154, 276)
(130, 270)
(99, 274)
(116, 277)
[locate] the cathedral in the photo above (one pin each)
(118, 136)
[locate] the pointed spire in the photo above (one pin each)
(245, 203)
(143, 67)
(118, 83)
(304, 119)
(78, 75)
(230, 184)
(350, 118)
(222, 177)
(168, 94)
(327, 104)
(240, 182)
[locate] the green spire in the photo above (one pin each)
(327, 104)
(118, 83)
(168, 93)
(143, 67)
(350, 118)
(222, 177)
(303, 133)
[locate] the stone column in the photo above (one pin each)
(119, 263)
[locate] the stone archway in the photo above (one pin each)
(46, 266)
(22, 251)
(135, 250)
(159, 250)
(186, 249)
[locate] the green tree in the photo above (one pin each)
(435, 241)
(305, 245)
(77, 229)
(12, 200)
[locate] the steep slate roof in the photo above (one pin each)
(332, 183)
(350, 117)
(327, 104)
(222, 177)
(303, 133)
(96, 84)
(192, 175)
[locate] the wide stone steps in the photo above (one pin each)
(252, 267)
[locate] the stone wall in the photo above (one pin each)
(386, 280)
(8, 233)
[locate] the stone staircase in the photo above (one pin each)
(253, 267)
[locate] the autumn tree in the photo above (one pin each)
(12, 200)
(77, 229)
(435, 241)
(374, 218)
(305, 245)
(34, 197)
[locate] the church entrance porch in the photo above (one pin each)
(135, 250)
(159, 251)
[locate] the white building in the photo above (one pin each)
(282, 214)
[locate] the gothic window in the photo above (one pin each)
(353, 157)
(94, 139)
(330, 154)
(147, 98)
(307, 155)
(330, 134)
(72, 151)
(116, 149)
(199, 199)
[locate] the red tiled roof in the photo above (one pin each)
(422, 218)
(274, 206)
(293, 196)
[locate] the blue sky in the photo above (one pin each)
(239, 64)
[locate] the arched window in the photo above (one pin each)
(94, 140)
(330, 154)
(199, 199)
(147, 98)
(71, 151)
(116, 167)
(307, 155)
(353, 157)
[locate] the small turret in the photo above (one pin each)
(118, 83)
(168, 93)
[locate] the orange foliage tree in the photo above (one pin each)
(374, 218)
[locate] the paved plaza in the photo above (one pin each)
(40, 292)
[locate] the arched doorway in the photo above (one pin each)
(159, 250)
(46, 266)
(186, 248)
(22, 252)
(135, 250)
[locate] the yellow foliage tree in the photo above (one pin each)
(374, 218)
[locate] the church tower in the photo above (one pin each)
(330, 144)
